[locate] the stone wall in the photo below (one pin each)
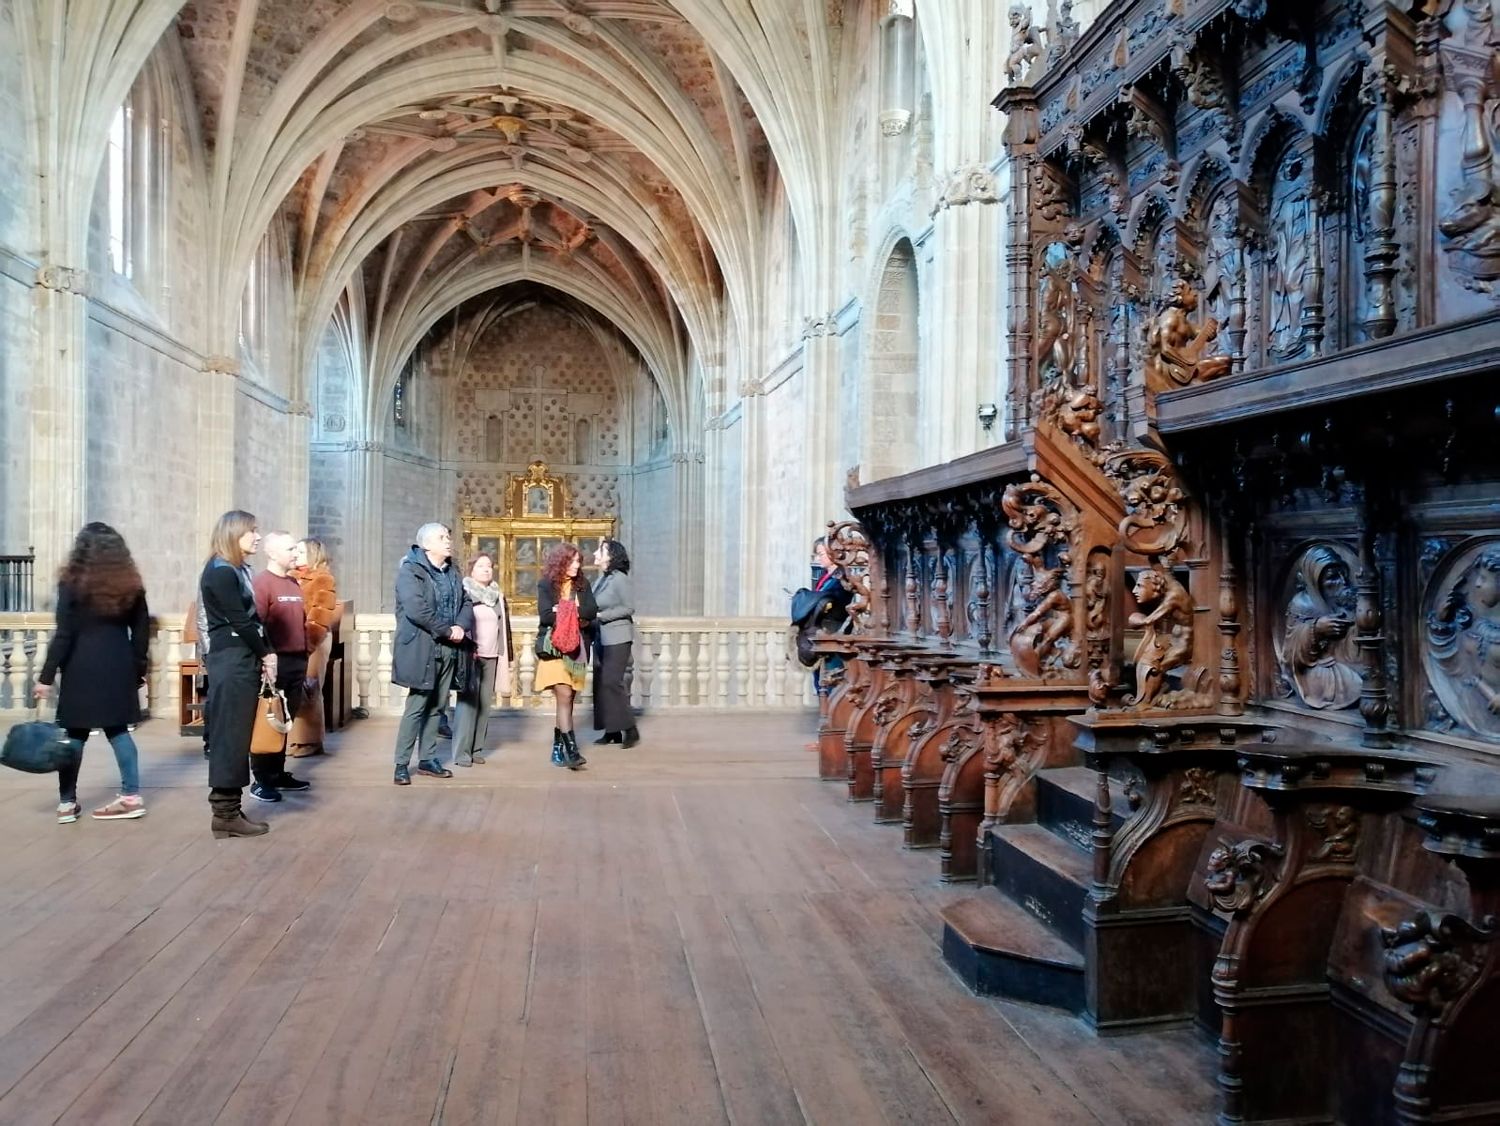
(140, 453)
(650, 535)
(538, 384)
(788, 533)
(17, 345)
(414, 493)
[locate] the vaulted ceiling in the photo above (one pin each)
(421, 152)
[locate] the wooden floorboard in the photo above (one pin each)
(695, 931)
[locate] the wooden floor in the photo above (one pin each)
(693, 931)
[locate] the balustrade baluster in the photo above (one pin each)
(640, 657)
(362, 666)
(15, 656)
(383, 686)
(722, 642)
(744, 654)
(666, 682)
(527, 675)
(38, 657)
(684, 669)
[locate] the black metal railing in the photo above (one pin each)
(16, 588)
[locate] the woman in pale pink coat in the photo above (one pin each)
(493, 663)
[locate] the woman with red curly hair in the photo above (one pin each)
(100, 647)
(565, 611)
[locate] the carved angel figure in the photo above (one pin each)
(1167, 643)
(1177, 350)
(1319, 643)
(1025, 44)
(1463, 637)
(1078, 415)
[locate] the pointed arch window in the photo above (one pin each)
(133, 187)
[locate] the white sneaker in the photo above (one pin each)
(67, 812)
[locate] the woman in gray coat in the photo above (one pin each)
(612, 654)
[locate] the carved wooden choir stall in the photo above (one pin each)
(1197, 675)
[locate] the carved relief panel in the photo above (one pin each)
(1461, 638)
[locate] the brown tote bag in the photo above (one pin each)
(268, 736)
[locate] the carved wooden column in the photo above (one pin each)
(847, 689)
(922, 770)
(1446, 966)
(1282, 899)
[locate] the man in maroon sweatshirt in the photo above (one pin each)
(278, 601)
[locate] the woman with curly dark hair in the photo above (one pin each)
(565, 610)
(100, 647)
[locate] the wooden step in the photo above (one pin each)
(1065, 801)
(1044, 872)
(998, 949)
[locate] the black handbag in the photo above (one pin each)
(39, 748)
(543, 645)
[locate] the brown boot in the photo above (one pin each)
(238, 827)
(229, 820)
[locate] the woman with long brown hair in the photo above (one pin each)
(565, 610)
(100, 647)
(238, 657)
(320, 603)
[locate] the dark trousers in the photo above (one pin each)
(611, 700)
(233, 685)
(291, 671)
(419, 722)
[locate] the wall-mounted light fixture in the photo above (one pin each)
(987, 414)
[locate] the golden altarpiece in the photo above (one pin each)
(538, 515)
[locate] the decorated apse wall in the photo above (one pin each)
(538, 384)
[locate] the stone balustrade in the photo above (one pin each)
(715, 663)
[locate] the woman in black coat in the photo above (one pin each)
(100, 647)
(238, 658)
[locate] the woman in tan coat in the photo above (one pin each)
(321, 605)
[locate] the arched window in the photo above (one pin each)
(583, 443)
(134, 204)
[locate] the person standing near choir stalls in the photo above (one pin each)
(487, 663)
(433, 619)
(616, 618)
(238, 657)
(320, 601)
(100, 647)
(279, 603)
(565, 611)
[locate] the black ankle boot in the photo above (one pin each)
(632, 736)
(609, 737)
(570, 748)
(559, 749)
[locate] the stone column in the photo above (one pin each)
(822, 375)
(687, 487)
(365, 568)
(753, 504)
(57, 494)
(966, 320)
(215, 441)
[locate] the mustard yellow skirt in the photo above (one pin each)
(550, 671)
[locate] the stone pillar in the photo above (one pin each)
(967, 320)
(753, 505)
(215, 440)
(822, 376)
(365, 569)
(687, 488)
(57, 494)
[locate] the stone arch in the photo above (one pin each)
(891, 408)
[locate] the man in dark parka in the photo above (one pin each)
(433, 619)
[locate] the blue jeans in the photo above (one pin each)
(126, 758)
